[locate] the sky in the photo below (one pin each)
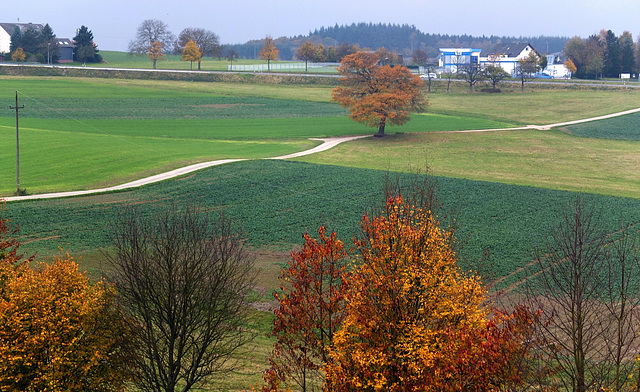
(114, 22)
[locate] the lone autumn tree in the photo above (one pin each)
(191, 53)
(377, 94)
(308, 51)
(155, 53)
(269, 51)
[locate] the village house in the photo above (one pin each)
(507, 55)
(6, 29)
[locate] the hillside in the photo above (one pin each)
(403, 39)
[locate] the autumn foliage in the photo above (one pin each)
(58, 332)
(411, 320)
(375, 94)
(311, 301)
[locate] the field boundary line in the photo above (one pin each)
(327, 143)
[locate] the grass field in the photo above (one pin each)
(508, 186)
(112, 131)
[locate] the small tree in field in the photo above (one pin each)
(527, 66)
(376, 95)
(269, 51)
(155, 52)
(191, 53)
(310, 52)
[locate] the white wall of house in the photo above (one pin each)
(5, 41)
(508, 63)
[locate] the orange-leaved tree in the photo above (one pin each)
(269, 51)
(311, 307)
(412, 317)
(375, 94)
(58, 332)
(191, 53)
(155, 52)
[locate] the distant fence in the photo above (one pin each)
(281, 67)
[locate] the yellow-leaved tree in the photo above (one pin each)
(405, 296)
(58, 331)
(191, 53)
(269, 51)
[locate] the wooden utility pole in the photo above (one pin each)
(17, 108)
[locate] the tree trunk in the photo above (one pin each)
(199, 62)
(154, 64)
(380, 133)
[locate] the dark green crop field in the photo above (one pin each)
(275, 202)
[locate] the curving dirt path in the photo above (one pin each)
(327, 143)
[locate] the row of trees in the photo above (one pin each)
(154, 39)
(604, 55)
(43, 47)
(34, 45)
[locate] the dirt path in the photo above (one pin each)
(327, 143)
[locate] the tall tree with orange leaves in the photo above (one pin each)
(311, 301)
(405, 293)
(375, 94)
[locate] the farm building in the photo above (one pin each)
(507, 55)
(6, 29)
(65, 47)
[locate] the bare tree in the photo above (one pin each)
(207, 41)
(185, 280)
(568, 287)
(150, 31)
(527, 66)
(584, 285)
(471, 73)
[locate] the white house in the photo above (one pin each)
(451, 58)
(555, 66)
(6, 29)
(507, 55)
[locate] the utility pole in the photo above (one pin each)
(17, 144)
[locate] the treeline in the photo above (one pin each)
(403, 39)
(41, 45)
(604, 55)
(34, 45)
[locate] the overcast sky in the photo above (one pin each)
(114, 22)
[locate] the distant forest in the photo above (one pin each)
(402, 39)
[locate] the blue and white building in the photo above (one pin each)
(452, 58)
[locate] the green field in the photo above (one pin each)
(113, 131)
(508, 186)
